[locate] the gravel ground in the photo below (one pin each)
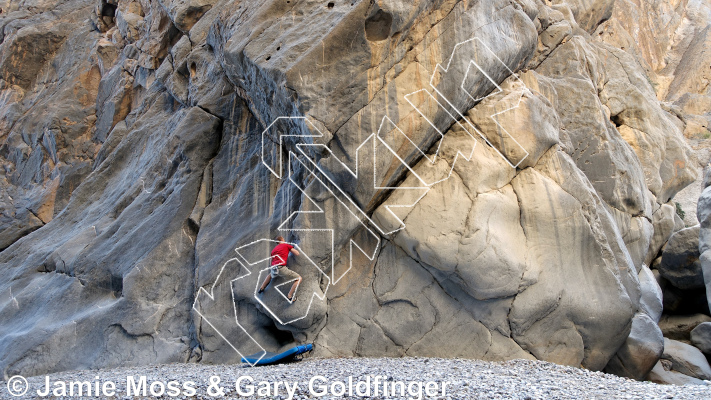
(467, 379)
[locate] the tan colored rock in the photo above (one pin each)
(691, 75)
(129, 24)
(658, 143)
(679, 327)
(146, 164)
(22, 67)
(597, 148)
(520, 123)
(108, 53)
(589, 14)
(185, 13)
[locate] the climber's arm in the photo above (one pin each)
(294, 251)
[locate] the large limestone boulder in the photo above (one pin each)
(664, 224)
(650, 302)
(704, 214)
(664, 374)
(701, 337)
(185, 13)
(680, 260)
(486, 171)
(686, 359)
(547, 300)
(640, 352)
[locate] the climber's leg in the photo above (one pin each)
(293, 288)
(273, 273)
(265, 284)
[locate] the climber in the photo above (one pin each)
(280, 255)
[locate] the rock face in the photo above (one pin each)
(679, 327)
(495, 172)
(641, 351)
(704, 214)
(686, 359)
(663, 373)
(650, 302)
(680, 261)
(670, 40)
(701, 337)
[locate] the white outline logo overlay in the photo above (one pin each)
(303, 141)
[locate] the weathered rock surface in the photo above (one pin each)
(650, 302)
(680, 260)
(686, 359)
(664, 225)
(704, 215)
(679, 327)
(701, 337)
(510, 203)
(670, 40)
(640, 352)
(663, 373)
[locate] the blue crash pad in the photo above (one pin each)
(273, 358)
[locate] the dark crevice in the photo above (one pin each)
(108, 10)
(36, 216)
(194, 330)
(128, 334)
(617, 120)
(193, 228)
(377, 26)
(20, 235)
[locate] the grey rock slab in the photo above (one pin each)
(706, 269)
(664, 227)
(704, 215)
(640, 352)
(546, 312)
(91, 259)
(680, 260)
(701, 337)
(596, 147)
(651, 299)
(662, 373)
(686, 359)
